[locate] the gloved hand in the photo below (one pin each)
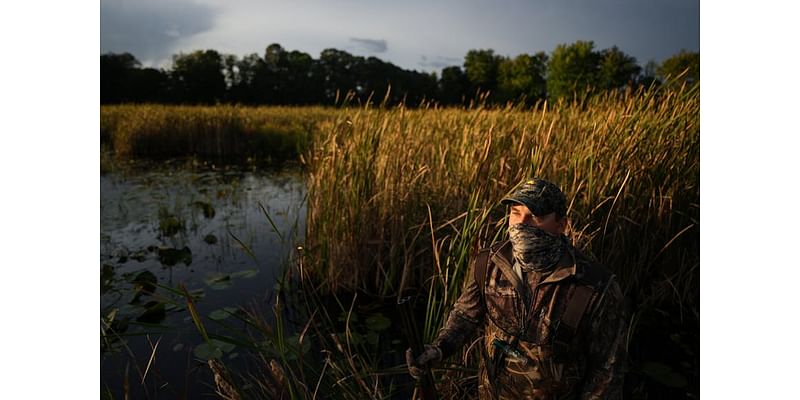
(416, 366)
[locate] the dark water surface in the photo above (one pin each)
(170, 224)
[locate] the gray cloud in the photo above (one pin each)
(371, 45)
(149, 29)
(438, 62)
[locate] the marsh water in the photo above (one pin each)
(222, 232)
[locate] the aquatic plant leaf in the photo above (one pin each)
(169, 225)
(206, 352)
(356, 338)
(343, 317)
(224, 346)
(218, 278)
(106, 278)
(169, 256)
(144, 283)
(378, 322)
(139, 256)
(219, 281)
(121, 254)
(210, 239)
(247, 273)
(219, 314)
(207, 208)
(153, 314)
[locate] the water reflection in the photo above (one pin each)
(200, 227)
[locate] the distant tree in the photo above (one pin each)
(276, 73)
(150, 85)
(523, 78)
(617, 69)
(294, 77)
(375, 77)
(302, 86)
(572, 69)
(122, 80)
(453, 86)
(116, 72)
(649, 77)
(338, 71)
(198, 77)
(481, 68)
(685, 62)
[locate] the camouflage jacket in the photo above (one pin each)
(547, 359)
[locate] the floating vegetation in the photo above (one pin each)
(210, 238)
(169, 224)
(144, 283)
(169, 256)
(154, 312)
(106, 278)
(207, 208)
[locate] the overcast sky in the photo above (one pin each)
(413, 34)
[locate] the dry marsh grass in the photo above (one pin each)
(400, 199)
(393, 193)
(160, 131)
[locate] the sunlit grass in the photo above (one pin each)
(159, 131)
(399, 200)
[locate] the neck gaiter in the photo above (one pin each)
(535, 249)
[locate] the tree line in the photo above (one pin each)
(282, 77)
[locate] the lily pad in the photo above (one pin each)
(215, 350)
(378, 322)
(206, 352)
(169, 225)
(153, 314)
(144, 283)
(121, 254)
(247, 273)
(219, 281)
(222, 313)
(210, 239)
(139, 256)
(169, 256)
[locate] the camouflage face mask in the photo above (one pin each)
(535, 249)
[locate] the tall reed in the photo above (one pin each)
(392, 192)
(402, 198)
(220, 131)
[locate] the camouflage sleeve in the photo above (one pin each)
(466, 316)
(606, 358)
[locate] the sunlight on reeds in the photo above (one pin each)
(224, 131)
(399, 200)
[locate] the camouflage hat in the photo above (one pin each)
(540, 196)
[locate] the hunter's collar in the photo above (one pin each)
(565, 268)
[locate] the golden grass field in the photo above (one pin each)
(399, 199)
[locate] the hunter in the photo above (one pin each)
(553, 320)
